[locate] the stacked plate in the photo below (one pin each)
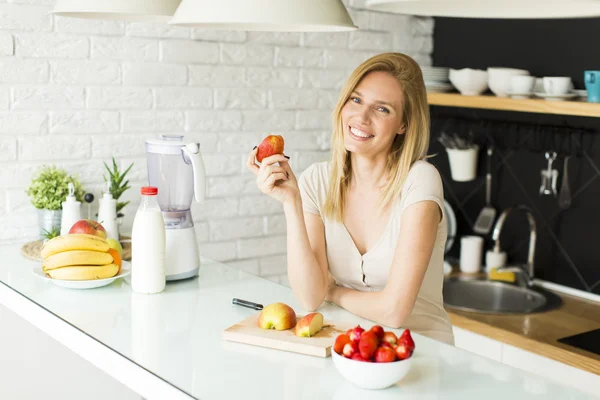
(437, 79)
(582, 95)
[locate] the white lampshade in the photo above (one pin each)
(513, 9)
(265, 15)
(126, 10)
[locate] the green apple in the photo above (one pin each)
(114, 244)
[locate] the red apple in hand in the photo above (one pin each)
(88, 227)
(277, 316)
(272, 144)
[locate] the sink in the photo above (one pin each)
(483, 296)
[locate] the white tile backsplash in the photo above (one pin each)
(77, 92)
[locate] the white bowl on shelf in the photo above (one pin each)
(370, 375)
(499, 79)
(469, 82)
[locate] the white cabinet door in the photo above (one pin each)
(35, 366)
(546, 367)
(477, 344)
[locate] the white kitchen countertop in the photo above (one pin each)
(169, 346)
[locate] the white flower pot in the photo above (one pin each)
(48, 219)
(463, 163)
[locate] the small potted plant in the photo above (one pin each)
(49, 188)
(117, 186)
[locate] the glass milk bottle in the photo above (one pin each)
(148, 245)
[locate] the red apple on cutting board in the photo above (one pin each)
(272, 144)
(309, 325)
(89, 227)
(277, 316)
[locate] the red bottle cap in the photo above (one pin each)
(149, 191)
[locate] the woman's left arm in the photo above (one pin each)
(392, 305)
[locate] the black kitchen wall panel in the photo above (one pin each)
(568, 242)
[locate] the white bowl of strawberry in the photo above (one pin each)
(373, 359)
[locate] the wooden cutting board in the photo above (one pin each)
(248, 332)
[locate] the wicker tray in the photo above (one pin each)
(32, 250)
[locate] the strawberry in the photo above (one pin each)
(385, 344)
(350, 349)
(390, 337)
(377, 330)
(385, 354)
(403, 352)
(406, 339)
(368, 344)
(358, 357)
(355, 333)
(340, 342)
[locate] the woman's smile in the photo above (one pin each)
(358, 134)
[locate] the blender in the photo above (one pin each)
(176, 168)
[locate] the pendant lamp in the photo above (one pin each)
(512, 9)
(125, 10)
(265, 15)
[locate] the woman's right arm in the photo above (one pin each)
(308, 271)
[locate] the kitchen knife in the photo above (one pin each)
(247, 304)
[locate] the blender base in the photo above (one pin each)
(182, 256)
(185, 275)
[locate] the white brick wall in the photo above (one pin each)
(76, 92)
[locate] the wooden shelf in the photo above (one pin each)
(579, 108)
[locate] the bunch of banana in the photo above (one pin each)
(78, 257)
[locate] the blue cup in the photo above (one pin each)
(592, 84)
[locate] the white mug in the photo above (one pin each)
(494, 259)
(557, 85)
(471, 252)
(522, 84)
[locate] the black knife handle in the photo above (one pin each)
(247, 304)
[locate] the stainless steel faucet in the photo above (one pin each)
(522, 272)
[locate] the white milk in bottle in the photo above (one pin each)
(148, 245)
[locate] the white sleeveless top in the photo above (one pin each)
(370, 271)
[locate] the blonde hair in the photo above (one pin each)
(406, 148)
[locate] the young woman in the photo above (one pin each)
(367, 230)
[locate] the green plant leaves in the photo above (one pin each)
(117, 186)
(54, 232)
(50, 187)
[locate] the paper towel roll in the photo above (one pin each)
(471, 253)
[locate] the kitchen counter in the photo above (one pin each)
(169, 346)
(538, 333)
